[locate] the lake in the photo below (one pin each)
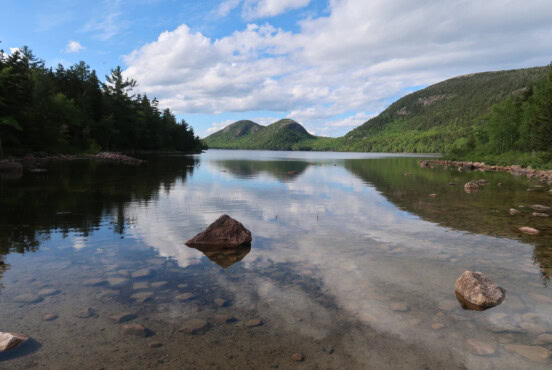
(352, 264)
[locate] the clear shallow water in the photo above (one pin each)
(352, 263)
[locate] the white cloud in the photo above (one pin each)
(254, 9)
(354, 59)
(216, 126)
(226, 7)
(73, 47)
(109, 24)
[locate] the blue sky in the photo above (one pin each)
(331, 65)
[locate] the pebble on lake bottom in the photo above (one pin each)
(253, 323)
(532, 353)
(480, 348)
(136, 330)
(399, 307)
(195, 326)
(50, 317)
(297, 357)
(142, 297)
(28, 299)
(437, 326)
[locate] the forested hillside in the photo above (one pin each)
(71, 110)
(503, 116)
(281, 135)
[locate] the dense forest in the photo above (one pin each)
(516, 130)
(69, 110)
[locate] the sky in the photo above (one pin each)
(329, 64)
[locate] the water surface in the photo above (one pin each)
(352, 263)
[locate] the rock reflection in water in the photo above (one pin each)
(224, 256)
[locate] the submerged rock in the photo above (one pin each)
(480, 348)
(185, 297)
(143, 273)
(86, 313)
(471, 187)
(225, 231)
(297, 357)
(94, 282)
(532, 353)
(50, 317)
(142, 297)
(10, 340)
(514, 211)
(538, 207)
(540, 214)
(48, 292)
(195, 326)
(253, 323)
(123, 317)
(223, 319)
(28, 298)
(136, 330)
(475, 291)
(529, 230)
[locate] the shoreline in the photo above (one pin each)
(516, 170)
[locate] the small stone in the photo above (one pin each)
(184, 297)
(48, 292)
(297, 357)
(514, 211)
(399, 307)
(140, 286)
(142, 273)
(529, 230)
(480, 348)
(253, 323)
(182, 286)
(220, 302)
(437, 326)
(448, 305)
(433, 195)
(155, 345)
(142, 296)
(471, 187)
(136, 330)
(532, 353)
(117, 282)
(94, 282)
(539, 214)
(195, 326)
(86, 313)
(50, 317)
(10, 340)
(538, 207)
(28, 299)
(223, 319)
(123, 317)
(158, 284)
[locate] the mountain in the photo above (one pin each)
(427, 121)
(281, 135)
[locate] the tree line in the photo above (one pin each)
(69, 110)
(518, 128)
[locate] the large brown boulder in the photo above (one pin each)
(10, 340)
(224, 232)
(475, 291)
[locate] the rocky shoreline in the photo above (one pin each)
(541, 175)
(34, 162)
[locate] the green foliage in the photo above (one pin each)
(518, 131)
(452, 117)
(70, 110)
(281, 135)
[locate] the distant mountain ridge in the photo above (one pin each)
(281, 135)
(426, 121)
